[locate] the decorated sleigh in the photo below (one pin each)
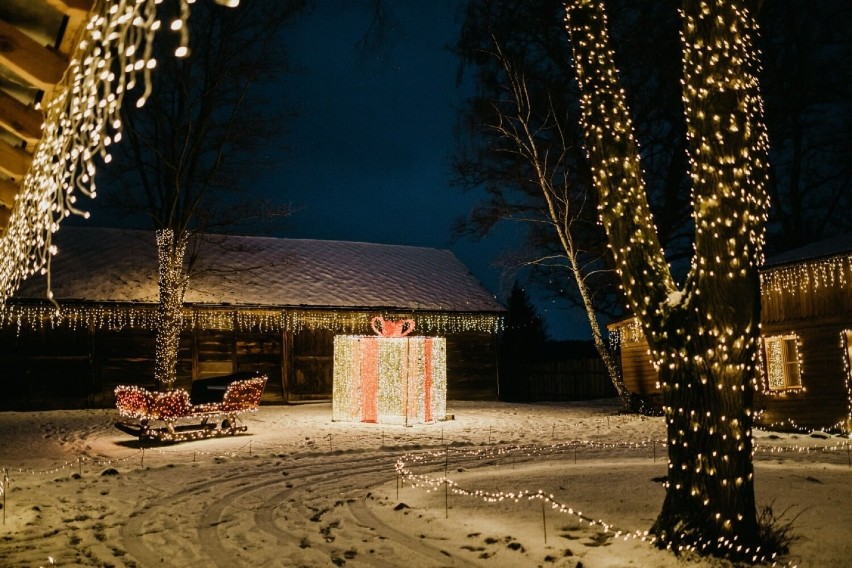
(212, 408)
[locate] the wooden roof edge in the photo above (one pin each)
(95, 304)
(38, 65)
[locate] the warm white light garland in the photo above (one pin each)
(432, 482)
(810, 275)
(389, 380)
(81, 121)
(115, 317)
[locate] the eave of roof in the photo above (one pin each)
(836, 246)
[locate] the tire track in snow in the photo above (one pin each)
(267, 496)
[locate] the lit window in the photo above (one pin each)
(782, 363)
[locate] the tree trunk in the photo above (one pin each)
(171, 249)
(704, 336)
(707, 392)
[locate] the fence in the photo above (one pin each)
(560, 380)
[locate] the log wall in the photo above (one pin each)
(824, 366)
(62, 368)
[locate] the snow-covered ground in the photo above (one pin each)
(301, 490)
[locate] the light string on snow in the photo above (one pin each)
(81, 121)
(433, 482)
(116, 317)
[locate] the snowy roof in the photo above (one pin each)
(118, 265)
(836, 246)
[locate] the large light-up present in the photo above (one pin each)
(390, 378)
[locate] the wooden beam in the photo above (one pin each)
(14, 162)
(5, 215)
(34, 63)
(8, 191)
(19, 119)
(78, 13)
(69, 7)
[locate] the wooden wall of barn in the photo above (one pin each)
(820, 316)
(471, 366)
(637, 371)
(62, 368)
(45, 369)
(823, 356)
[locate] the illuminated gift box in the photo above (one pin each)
(389, 380)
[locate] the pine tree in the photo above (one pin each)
(522, 341)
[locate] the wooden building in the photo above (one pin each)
(806, 341)
(252, 303)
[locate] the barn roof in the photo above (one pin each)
(119, 265)
(836, 246)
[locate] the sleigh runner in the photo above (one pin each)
(211, 409)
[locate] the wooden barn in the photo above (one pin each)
(252, 303)
(806, 341)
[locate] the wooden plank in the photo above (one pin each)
(36, 64)
(8, 191)
(14, 162)
(21, 120)
(72, 7)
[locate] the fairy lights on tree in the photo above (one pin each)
(81, 122)
(171, 248)
(703, 336)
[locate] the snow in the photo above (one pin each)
(300, 490)
(120, 265)
(674, 298)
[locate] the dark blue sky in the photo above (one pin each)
(371, 145)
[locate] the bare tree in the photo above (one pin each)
(188, 148)
(532, 39)
(548, 165)
(704, 335)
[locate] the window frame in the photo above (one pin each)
(791, 365)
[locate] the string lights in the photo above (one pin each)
(81, 121)
(834, 272)
(783, 366)
(389, 380)
(116, 317)
(431, 482)
(172, 283)
(706, 354)
(170, 407)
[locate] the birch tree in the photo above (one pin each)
(548, 168)
(703, 335)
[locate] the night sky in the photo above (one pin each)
(372, 142)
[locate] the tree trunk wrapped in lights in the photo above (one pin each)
(703, 336)
(171, 248)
